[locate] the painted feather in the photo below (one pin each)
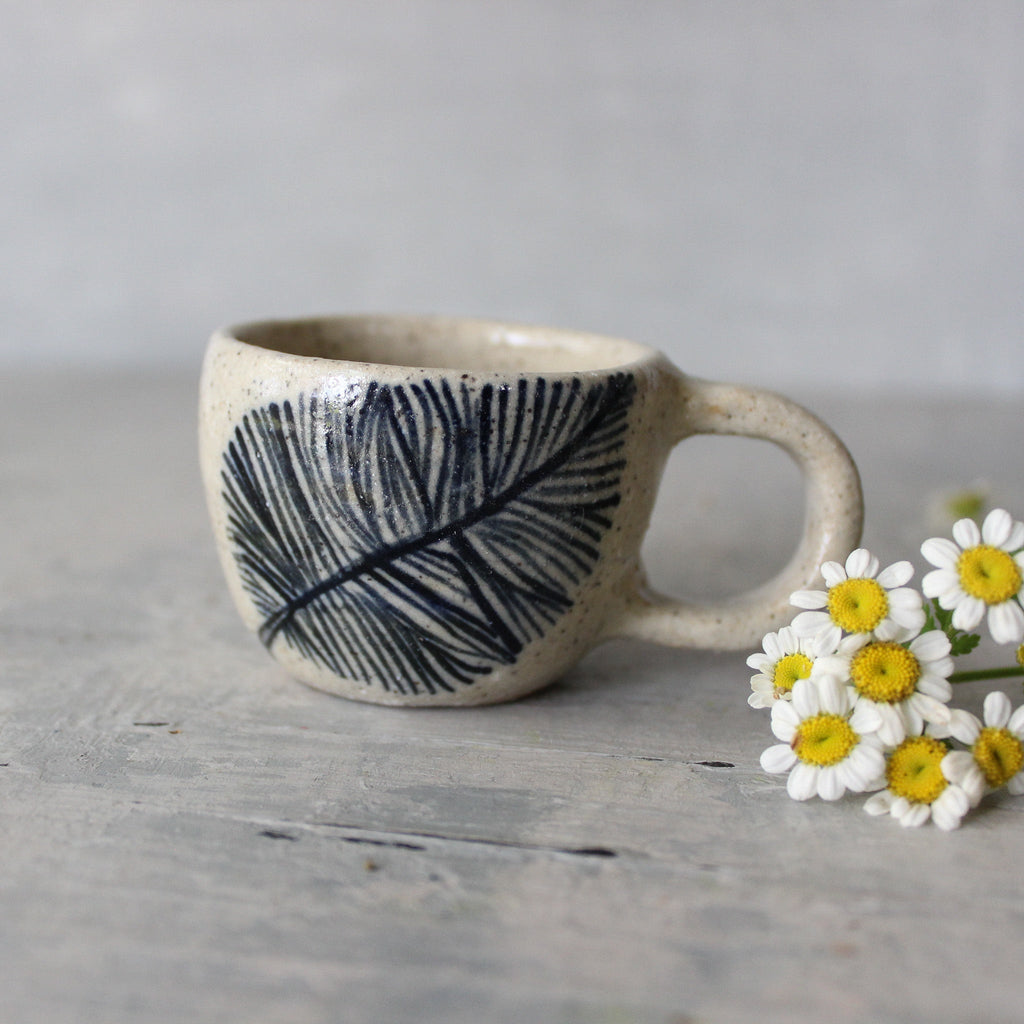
(417, 536)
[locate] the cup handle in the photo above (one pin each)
(834, 515)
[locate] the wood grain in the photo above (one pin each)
(185, 834)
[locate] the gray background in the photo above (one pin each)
(825, 196)
(803, 194)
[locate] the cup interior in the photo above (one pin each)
(441, 343)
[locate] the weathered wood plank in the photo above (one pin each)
(184, 833)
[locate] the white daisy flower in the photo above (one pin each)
(828, 741)
(907, 682)
(996, 757)
(859, 599)
(980, 571)
(786, 659)
(920, 785)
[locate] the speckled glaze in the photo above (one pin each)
(425, 511)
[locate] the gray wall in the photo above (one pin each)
(805, 193)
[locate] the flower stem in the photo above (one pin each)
(986, 673)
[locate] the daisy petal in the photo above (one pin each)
(931, 710)
(899, 574)
(941, 552)
(939, 582)
(936, 685)
(957, 764)
(996, 528)
(968, 613)
(1016, 722)
(830, 784)
(955, 799)
(819, 646)
(864, 767)
(916, 815)
(1016, 539)
(774, 645)
(861, 563)
(866, 718)
(787, 640)
(832, 695)
(879, 803)
(931, 645)
(1006, 623)
(811, 623)
(852, 644)
(778, 759)
(806, 699)
(963, 726)
(966, 533)
(784, 720)
(830, 665)
(905, 608)
(975, 786)
(832, 573)
(913, 720)
(997, 709)
(892, 731)
(889, 629)
(802, 783)
(948, 812)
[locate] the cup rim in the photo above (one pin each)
(515, 347)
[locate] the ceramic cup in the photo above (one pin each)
(434, 511)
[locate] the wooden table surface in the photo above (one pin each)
(188, 835)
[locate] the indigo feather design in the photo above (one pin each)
(417, 536)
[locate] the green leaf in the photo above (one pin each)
(960, 642)
(963, 643)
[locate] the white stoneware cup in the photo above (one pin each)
(432, 511)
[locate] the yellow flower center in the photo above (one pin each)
(857, 605)
(824, 740)
(914, 770)
(885, 672)
(999, 755)
(788, 670)
(989, 573)
(1020, 655)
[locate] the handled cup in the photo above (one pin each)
(436, 511)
